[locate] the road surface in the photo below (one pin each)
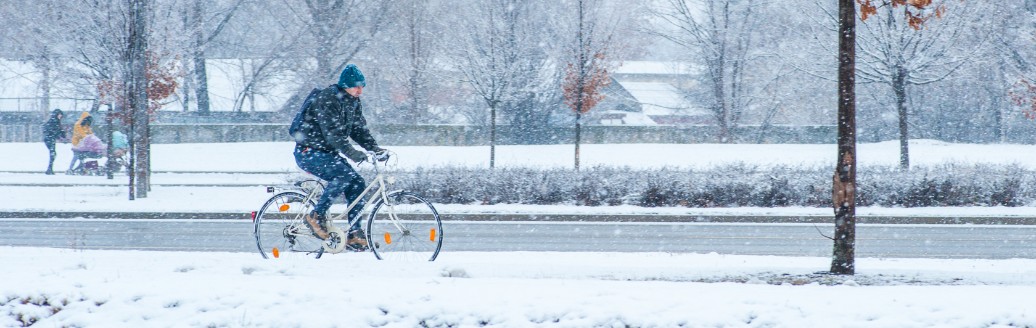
(785, 239)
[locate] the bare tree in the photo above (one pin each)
(257, 75)
(495, 50)
(720, 34)
(587, 71)
(330, 33)
(1016, 49)
(412, 62)
(339, 30)
(419, 25)
(262, 65)
(39, 43)
(898, 52)
(205, 23)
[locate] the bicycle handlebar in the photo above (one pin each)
(380, 157)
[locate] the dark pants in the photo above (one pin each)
(340, 176)
(53, 154)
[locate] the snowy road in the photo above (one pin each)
(873, 240)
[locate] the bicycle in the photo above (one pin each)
(400, 225)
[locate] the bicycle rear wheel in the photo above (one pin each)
(279, 231)
(404, 227)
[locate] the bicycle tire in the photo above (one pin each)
(404, 227)
(278, 227)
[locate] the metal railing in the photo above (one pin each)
(33, 104)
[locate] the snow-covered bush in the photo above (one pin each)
(726, 186)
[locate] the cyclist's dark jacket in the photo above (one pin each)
(331, 120)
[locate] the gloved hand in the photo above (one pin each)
(380, 154)
(356, 155)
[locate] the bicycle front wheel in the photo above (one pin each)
(403, 226)
(279, 230)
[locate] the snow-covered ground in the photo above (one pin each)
(72, 288)
(93, 288)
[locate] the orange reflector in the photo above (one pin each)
(432, 235)
(388, 238)
(284, 207)
(276, 253)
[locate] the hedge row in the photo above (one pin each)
(728, 186)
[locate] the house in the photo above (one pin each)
(650, 93)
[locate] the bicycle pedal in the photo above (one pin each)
(330, 243)
(334, 242)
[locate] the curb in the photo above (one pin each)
(607, 218)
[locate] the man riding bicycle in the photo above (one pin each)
(329, 118)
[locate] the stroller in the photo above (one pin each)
(85, 163)
(85, 157)
(120, 149)
(118, 161)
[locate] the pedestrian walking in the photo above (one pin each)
(52, 132)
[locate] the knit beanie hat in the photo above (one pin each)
(351, 77)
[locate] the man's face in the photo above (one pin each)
(354, 91)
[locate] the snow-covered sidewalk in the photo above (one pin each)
(92, 288)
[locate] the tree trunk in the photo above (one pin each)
(899, 89)
(45, 68)
(578, 137)
(111, 131)
(1001, 107)
(492, 135)
(722, 109)
(137, 96)
(417, 59)
(844, 180)
(323, 21)
(202, 88)
(201, 76)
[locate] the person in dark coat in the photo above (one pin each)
(329, 119)
(52, 132)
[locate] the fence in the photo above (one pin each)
(450, 135)
(34, 104)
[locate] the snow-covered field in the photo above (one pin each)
(276, 156)
(93, 288)
(236, 166)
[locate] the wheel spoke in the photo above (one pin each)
(278, 224)
(407, 229)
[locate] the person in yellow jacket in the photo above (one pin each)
(82, 128)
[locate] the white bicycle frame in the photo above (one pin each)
(378, 185)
